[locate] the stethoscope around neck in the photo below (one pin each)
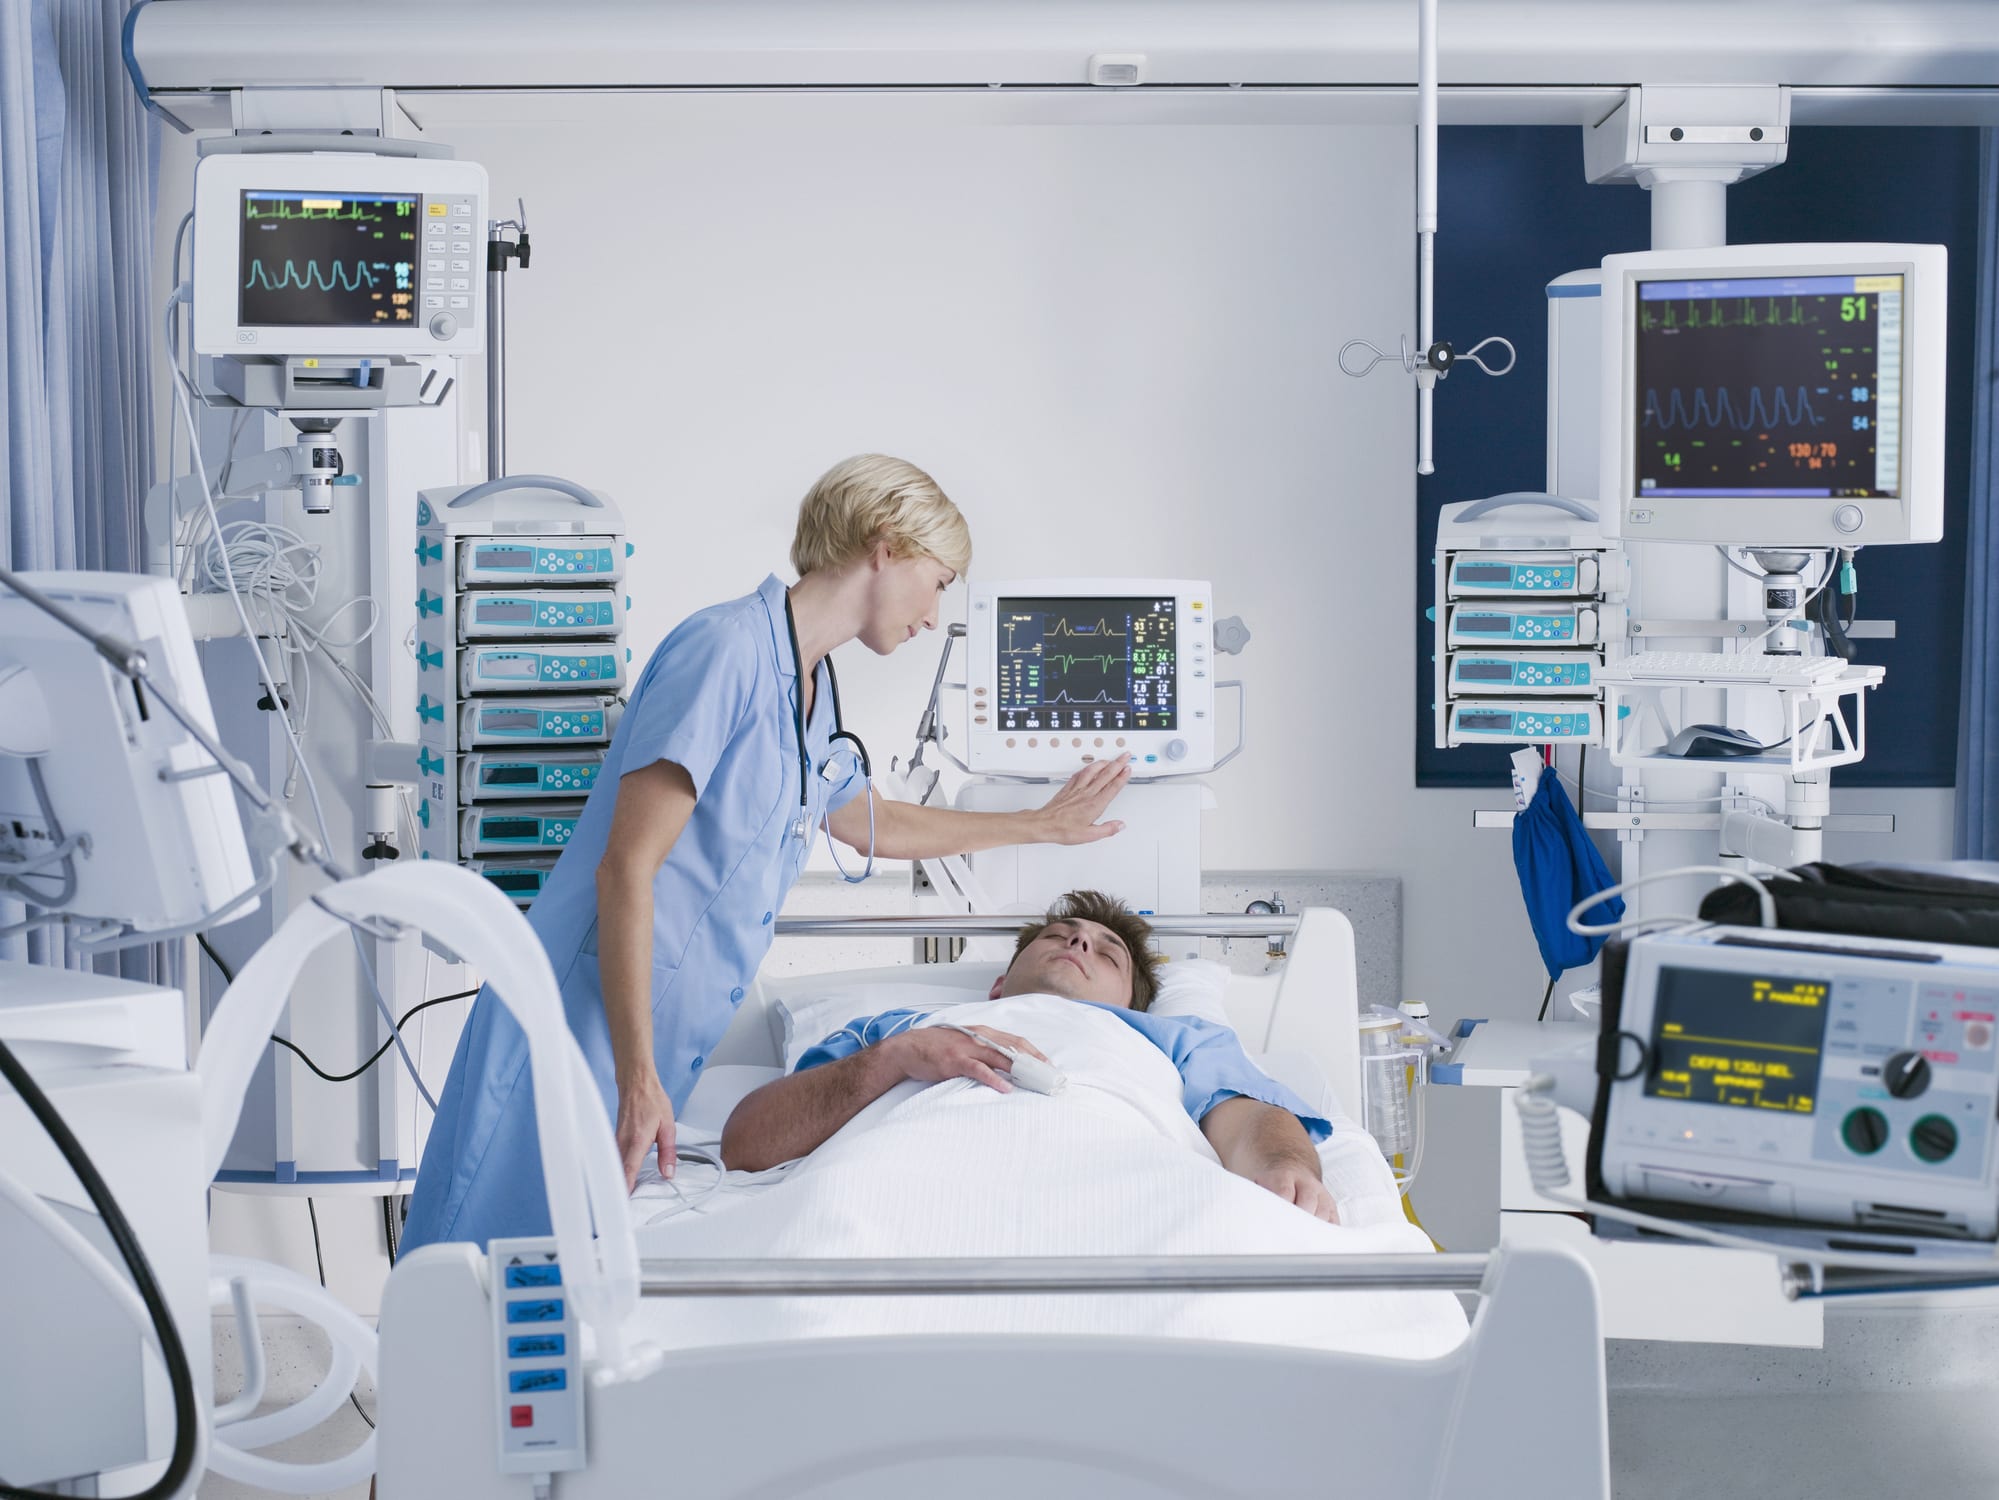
(801, 825)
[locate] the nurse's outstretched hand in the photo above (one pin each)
(1070, 816)
(645, 1116)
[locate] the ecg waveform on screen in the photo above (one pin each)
(313, 278)
(1092, 665)
(1724, 409)
(286, 208)
(1735, 312)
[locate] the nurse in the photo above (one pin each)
(661, 908)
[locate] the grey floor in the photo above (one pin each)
(1900, 1403)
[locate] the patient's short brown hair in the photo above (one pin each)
(1106, 911)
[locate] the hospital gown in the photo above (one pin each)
(1211, 1062)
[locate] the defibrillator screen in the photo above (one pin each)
(1738, 1038)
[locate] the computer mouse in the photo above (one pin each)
(1712, 742)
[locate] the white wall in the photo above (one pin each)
(1114, 345)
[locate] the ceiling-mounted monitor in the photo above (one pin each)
(1774, 395)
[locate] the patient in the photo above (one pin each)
(1088, 951)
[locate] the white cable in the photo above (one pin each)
(1766, 905)
(183, 389)
(1547, 1166)
(355, 1347)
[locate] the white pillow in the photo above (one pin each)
(1192, 987)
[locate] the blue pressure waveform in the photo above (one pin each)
(1781, 409)
(340, 278)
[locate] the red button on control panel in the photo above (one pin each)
(523, 1416)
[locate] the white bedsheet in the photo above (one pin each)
(1112, 1165)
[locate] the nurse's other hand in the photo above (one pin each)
(1070, 816)
(645, 1118)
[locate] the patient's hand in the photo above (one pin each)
(1269, 1146)
(932, 1054)
(1295, 1182)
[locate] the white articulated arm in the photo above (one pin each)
(470, 916)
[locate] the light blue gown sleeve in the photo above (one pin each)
(862, 1031)
(1213, 1067)
(692, 697)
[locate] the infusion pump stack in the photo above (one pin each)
(521, 668)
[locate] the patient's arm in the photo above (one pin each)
(795, 1115)
(1269, 1147)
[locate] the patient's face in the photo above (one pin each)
(1073, 958)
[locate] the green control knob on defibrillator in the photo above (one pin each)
(1865, 1131)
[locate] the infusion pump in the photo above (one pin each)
(1528, 596)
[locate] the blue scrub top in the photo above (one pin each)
(718, 698)
(1212, 1064)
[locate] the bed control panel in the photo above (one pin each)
(537, 1354)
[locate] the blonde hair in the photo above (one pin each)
(874, 498)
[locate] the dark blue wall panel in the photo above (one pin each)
(1514, 213)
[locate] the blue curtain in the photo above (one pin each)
(1978, 724)
(78, 172)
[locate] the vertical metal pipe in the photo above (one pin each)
(496, 353)
(1426, 217)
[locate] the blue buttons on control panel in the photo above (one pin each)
(537, 1380)
(533, 1276)
(548, 1311)
(571, 560)
(537, 1346)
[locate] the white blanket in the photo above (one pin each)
(1111, 1165)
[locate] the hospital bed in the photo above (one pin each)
(1002, 1405)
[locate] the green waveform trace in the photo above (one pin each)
(340, 278)
(1693, 313)
(285, 209)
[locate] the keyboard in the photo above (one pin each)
(1744, 667)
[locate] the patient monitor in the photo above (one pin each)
(320, 253)
(1078, 669)
(1774, 395)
